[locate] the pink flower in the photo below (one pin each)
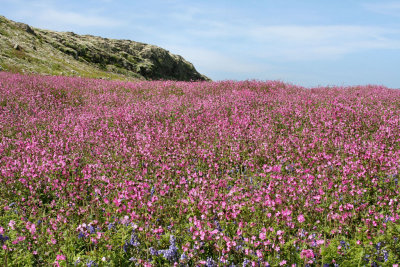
(300, 218)
(262, 236)
(282, 263)
(259, 253)
(60, 258)
(306, 253)
(11, 224)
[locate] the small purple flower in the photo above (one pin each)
(153, 251)
(92, 230)
(134, 240)
(183, 256)
(3, 238)
(210, 263)
(91, 264)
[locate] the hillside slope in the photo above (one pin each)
(27, 49)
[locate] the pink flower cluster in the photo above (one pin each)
(249, 171)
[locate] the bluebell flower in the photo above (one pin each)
(91, 229)
(77, 261)
(210, 263)
(39, 222)
(91, 264)
(219, 228)
(385, 255)
(134, 240)
(168, 254)
(3, 238)
(110, 226)
(245, 262)
(171, 253)
(152, 191)
(81, 235)
(125, 247)
(344, 244)
(153, 251)
(172, 240)
(132, 259)
(183, 256)
(326, 265)
(378, 245)
(366, 258)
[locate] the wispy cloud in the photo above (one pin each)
(76, 19)
(212, 61)
(385, 8)
(46, 14)
(322, 42)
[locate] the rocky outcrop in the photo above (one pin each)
(120, 57)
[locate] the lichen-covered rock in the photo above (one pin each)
(25, 27)
(17, 47)
(68, 53)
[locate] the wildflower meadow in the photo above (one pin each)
(162, 173)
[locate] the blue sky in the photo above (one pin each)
(309, 43)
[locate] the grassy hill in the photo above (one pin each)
(25, 49)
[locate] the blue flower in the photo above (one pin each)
(385, 255)
(245, 262)
(110, 226)
(81, 235)
(378, 245)
(3, 238)
(153, 251)
(91, 229)
(183, 256)
(125, 247)
(91, 264)
(210, 263)
(134, 240)
(344, 244)
(172, 252)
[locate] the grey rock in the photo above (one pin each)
(26, 28)
(17, 47)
